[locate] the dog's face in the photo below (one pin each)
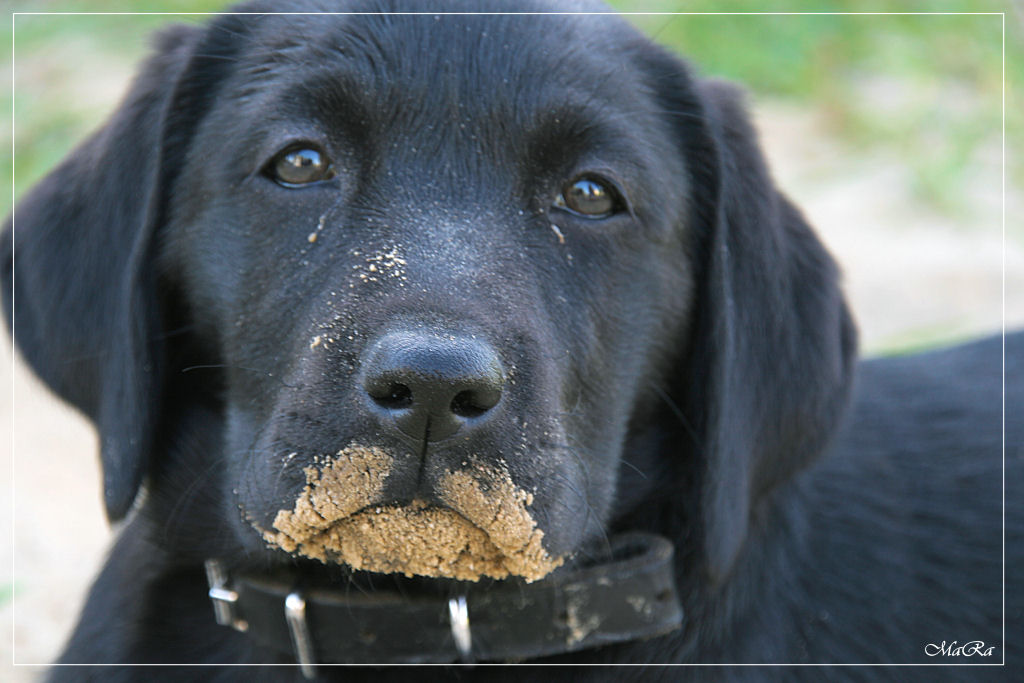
(453, 294)
(431, 278)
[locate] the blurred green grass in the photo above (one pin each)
(926, 87)
(67, 73)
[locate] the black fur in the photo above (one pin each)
(685, 365)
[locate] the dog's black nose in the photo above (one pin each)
(431, 385)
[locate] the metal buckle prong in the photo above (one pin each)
(302, 642)
(458, 615)
(223, 598)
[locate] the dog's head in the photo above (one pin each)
(453, 293)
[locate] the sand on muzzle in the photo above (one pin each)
(486, 530)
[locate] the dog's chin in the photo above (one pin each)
(475, 523)
(419, 539)
(415, 564)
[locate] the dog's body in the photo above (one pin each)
(445, 256)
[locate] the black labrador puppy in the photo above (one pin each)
(427, 338)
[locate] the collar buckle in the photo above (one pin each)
(302, 640)
(458, 617)
(224, 599)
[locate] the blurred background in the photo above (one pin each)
(886, 129)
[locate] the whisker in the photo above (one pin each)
(678, 413)
(633, 467)
(223, 366)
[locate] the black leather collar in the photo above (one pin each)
(630, 597)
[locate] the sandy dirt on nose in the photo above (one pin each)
(486, 530)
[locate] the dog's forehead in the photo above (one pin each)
(462, 65)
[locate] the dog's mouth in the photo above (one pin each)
(483, 529)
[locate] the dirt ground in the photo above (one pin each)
(910, 273)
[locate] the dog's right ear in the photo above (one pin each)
(771, 347)
(79, 287)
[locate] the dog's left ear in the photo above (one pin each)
(79, 277)
(771, 349)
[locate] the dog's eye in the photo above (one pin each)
(589, 197)
(300, 166)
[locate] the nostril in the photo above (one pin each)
(474, 403)
(392, 396)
